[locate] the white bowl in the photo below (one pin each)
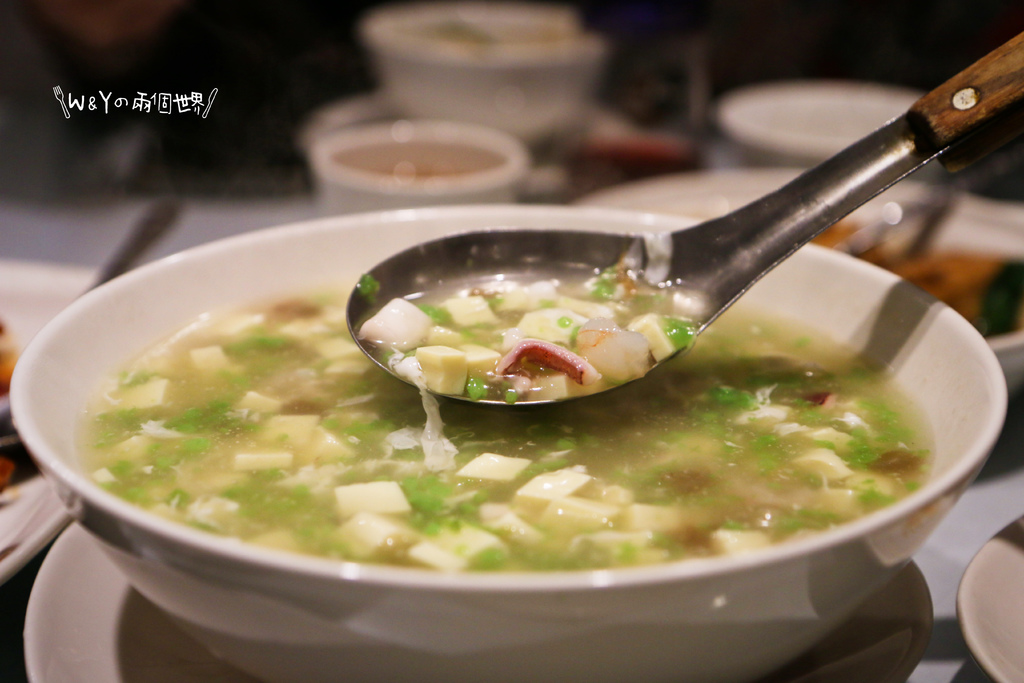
(526, 86)
(804, 122)
(406, 163)
(286, 617)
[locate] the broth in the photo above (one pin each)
(267, 424)
(410, 162)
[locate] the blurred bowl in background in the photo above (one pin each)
(801, 123)
(407, 163)
(528, 69)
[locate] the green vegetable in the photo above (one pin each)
(476, 388)
(679, 332)
(1001, 303)
(367, 287)
(439, 315)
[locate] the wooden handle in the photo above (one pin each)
(985, 92)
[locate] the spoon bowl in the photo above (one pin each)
(716, 262)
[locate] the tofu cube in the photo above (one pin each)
(134, 447)
(443, 336)
(842, 501)
(650, 325)
(643, 517)
(325, 445)
(494, 467)
(348, 366)
(381, 497)
(553, 387)
(479, 359)
(337, 348)
(549, 486)
(737, 541)
(872, 481)
(146, 395)
(613, 494)
(305, 328)
(293, 431)
(209, 358)
(551, 324)
(515, 528)
(238, 323)
(431, 555)
(470, 310)
(278, 540)
(468, 541)
(824, 462)
(269, 460)
(830, 435)
(578, 514)
(513, 299)
(365, 533)
(444, 368)
(588, 309)
(258, 402)
(610, 541)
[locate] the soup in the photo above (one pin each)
(268, 425)
(546, 340)
(419, 161)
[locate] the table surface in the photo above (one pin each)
(34, 227)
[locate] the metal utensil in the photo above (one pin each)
(156, 220)
(717, 261)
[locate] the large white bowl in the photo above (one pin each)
(531, 90)
(286, 617)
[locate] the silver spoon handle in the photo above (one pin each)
(724, 257)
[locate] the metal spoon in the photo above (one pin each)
(959, 122)
(159, 216)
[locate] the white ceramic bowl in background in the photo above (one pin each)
(407, 163)
(804, 122)
(287, 617)
(532, 75)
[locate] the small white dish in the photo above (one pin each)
(990, 605)
(404, 163)
(85, 623)
(31, 294)
(803, 122)
(975, 224)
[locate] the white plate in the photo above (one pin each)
(804, 122)
(976, 223)
(31, 294)
(990, 605)
(85, 623)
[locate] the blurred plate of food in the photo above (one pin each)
(974, 262)
(803, 122)
(31, 515)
